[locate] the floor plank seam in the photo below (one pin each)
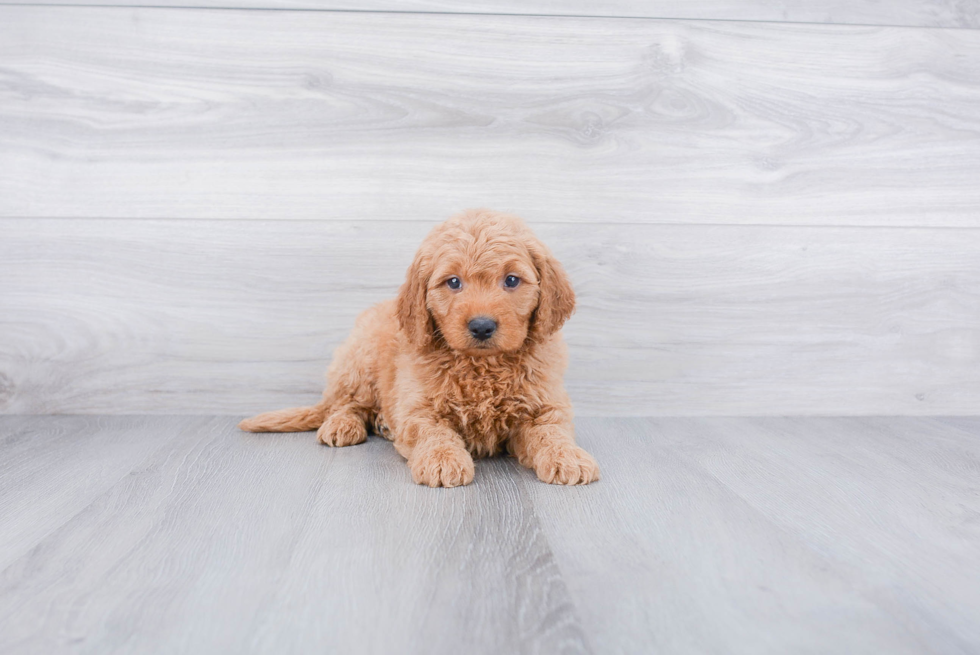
(521, 478)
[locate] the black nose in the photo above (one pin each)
(482, 328)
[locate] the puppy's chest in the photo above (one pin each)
(485, 406)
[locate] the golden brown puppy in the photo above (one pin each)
(466, 361)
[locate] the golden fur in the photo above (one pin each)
(412, 371)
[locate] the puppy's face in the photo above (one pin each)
(486, 284)
(482, 301)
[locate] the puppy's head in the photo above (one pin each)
(486, 284)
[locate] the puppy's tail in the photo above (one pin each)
(295, 419)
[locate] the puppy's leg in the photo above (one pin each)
(349, 399)
(350, 392)
(435, 453)
(346, 425)
(547, 445)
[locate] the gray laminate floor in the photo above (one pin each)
(181, 534)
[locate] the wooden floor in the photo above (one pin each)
(725, 535)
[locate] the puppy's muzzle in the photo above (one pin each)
(482, 328)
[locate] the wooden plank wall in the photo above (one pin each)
(759, 217)
(913, 13)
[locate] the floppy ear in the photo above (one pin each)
(557, 300)
(413, 315)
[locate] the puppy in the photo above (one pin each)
(466, 362)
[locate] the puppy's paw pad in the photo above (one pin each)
(566, 465)
(342, 430)
(443, 467)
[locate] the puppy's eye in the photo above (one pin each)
(454, 283)
(511, 281)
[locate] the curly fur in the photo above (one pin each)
(412, 371)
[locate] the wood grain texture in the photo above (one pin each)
(48, 476)
(812, 535)
(227, 317)
(226, 542)
(964, 423)
(921, 13)
(156, 113)
(773, 536)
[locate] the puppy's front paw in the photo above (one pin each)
(564, 464)
(342, 429)
(442, 466)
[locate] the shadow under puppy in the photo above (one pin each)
(466, 361)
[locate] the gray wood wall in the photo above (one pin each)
(774, 212)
